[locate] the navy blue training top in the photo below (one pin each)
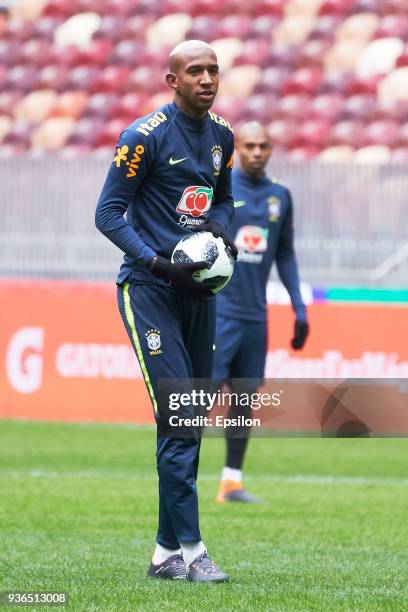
(262, 229)
(171, 172)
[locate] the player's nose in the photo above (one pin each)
(206, 78)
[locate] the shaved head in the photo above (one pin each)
(186, 50)
(254, 148)
(193, 76)
(251, 130)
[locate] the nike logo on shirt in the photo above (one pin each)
(172, 161)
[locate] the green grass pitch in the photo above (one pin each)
(78, 514)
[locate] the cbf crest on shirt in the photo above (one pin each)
(171, 172)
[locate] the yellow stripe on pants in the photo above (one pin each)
(131, 322)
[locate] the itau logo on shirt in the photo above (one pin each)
(195, 201)
(251, 242)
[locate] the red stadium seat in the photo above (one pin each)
(8, 51)
(301, 154)
(231, 109)
(253, 51)
(145, 79)
(89, 6)
(363, 86)
(393, 25)
(325, 27)
(281, 54)
(119, 8)
(85, 132)
(269, 7)
(292, 107)
(272, 80)
(19, 134)
(97, 54)
(147, 7)
(127, 52)
(311, 133)
(130, 105)
(18, 30)
(99, 106)
(303, 81)
(402, 60)
(368, 6)
(384, 133)
(234, 7)
(205, 7)
(60, 8)
(233, 26)
(66, 56)
(403, 135)
(311, 54)
(392, 109)
(202, 26)
(8, 101)
(109, 133)
(177, 6)
(327, 106)
(398, 7)
(81, 77)
(20, 78)
(334, 82)
(111, 79)
(259, 108)
(349, 133)
(281, 132)
(336, 7)
(36, 52)
(359, 107)
(2, 75)
(45, 27)
(262, 26)
(112, 28)
(135, 27)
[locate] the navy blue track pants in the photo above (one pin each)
(173, 337)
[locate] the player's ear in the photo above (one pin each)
(171, 79)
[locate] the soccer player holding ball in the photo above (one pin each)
(171, 175)
(262, 229)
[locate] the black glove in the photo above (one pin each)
(300, 334)
(217, 231)
(181, 275)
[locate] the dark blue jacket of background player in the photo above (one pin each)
(171, 173)
(262, 229)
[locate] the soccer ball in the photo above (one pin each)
(203, 246)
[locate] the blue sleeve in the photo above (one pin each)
(127, 172)
(222, 210)
(286, 263)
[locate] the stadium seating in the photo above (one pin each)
(328, 77)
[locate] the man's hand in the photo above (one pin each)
(217, 231)
(301, 332)
(181, 275)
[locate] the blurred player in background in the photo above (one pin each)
(262, 229)
(161, 161)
